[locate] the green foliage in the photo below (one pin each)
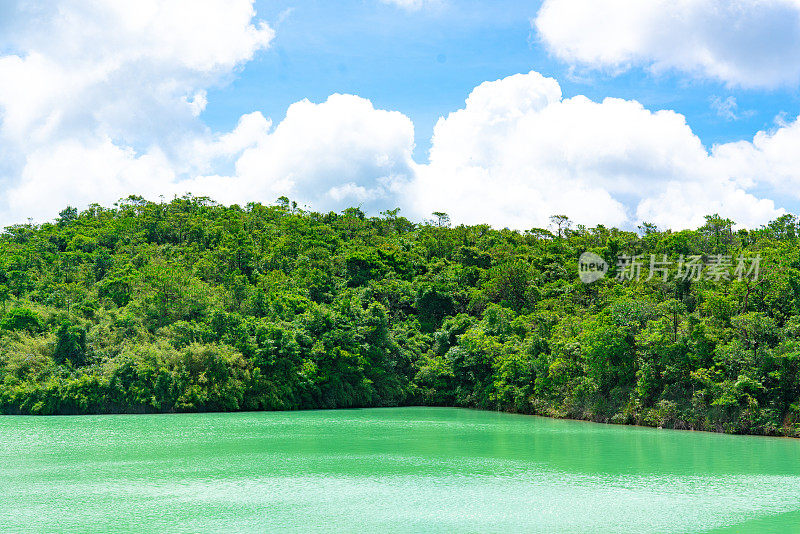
(192, 306)
(5, 294)
(21, 319)
(70, 344)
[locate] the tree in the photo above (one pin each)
(754, 329)
(647, 228)
(70, 344)
(310, 310)
(784, 227)
(67, 215)
(21, 319)
(442, 219)
(433, 305)
(5, 294)
(562, 224)
(511, 285)
(673, 308)
(719, 231)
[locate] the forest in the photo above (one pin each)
(190, 305)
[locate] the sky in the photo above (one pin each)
(505, 112)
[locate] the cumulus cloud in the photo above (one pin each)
(518, 153)
(342, 152)
(106, 100)
(771, 159)
(111, 86)
(747, 43)
(82, 172)
(86, 65)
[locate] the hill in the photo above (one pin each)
(194, 306)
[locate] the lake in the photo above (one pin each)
(387, 470)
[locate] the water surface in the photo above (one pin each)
(387, 470)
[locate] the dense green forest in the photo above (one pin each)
(194, 306)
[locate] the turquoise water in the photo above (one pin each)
(387, 470)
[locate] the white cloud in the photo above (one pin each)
(80, 173)
(201, 35)
(110, 83)
(112, 66)
(106, 100)
(105, 103)
(748, 43)
(251, 129)
(515, 155)
(339, 153)
(726, 108)
(682, 205)
(413, 5)
(771, 159)
(518, 153)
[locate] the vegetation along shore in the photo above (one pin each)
(194, 306)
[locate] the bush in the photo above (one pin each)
(70, 344)
(21, 319)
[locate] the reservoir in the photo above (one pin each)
(387, 470)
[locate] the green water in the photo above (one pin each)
(387, 470)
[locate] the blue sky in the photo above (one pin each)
(608, 111)
(425, 62)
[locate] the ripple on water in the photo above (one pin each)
(401, 470)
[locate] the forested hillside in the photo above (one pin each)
(193, 306)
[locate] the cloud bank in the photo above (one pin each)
(99, 98)
(746, 43)
(518, 152)
(106, 101)
(342, 152)
(515, 154)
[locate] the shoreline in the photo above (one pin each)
(471, 408)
